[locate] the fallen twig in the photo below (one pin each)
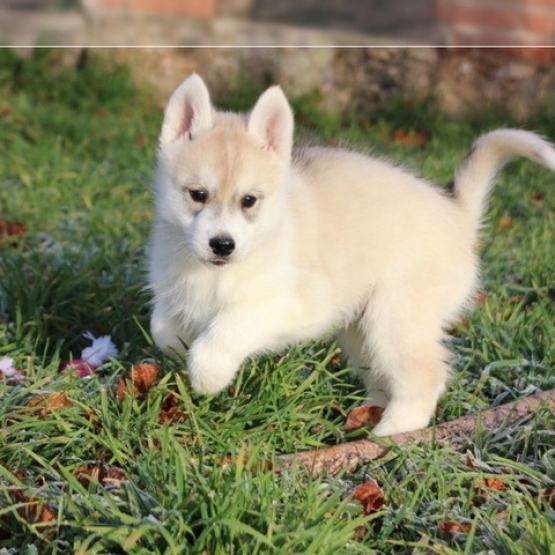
(351, 455)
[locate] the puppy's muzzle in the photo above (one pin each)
(222, 245)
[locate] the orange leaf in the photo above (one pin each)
(495, 483)
(506, 222)
(410, 138)
(371, 495)
(363, 416)
(11, 229)
(142, 377)
(51, 401)
(450, 527)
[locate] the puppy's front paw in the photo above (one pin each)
(209, 371)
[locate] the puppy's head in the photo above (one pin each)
(220, 177)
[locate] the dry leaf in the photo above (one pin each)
(505, 222)
(171, 411)
(495, 483)
(11, 229)
(6, 110)
(410, 138)
(481, 298)
(536, 197)
(31, 510)
(101, 473)
(371, 495)
(451, 527)
(142, 377)
(470, 463)
(51, 401)
(363, 416)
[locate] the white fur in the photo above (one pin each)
(336, 241)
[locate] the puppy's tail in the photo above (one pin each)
(474, 178)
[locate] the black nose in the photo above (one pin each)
(222, 245)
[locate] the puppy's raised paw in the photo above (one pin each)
(209, 371)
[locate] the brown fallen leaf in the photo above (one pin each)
(495, 483)
(11, 229)
(363, 416)
(101, 473)
(5, 110)
(536, 197)
(140, 139)
(171, 412)
(371, 495)
(31, 510)
(451, 527)
(410, 138)
(49, 402)
(142, 376)
(505, 222)
(470, 463)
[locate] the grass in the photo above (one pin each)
(96, 474)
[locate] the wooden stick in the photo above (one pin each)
(351, 455)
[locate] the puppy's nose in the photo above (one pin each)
(222, 245)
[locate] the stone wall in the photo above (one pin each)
(457, 81)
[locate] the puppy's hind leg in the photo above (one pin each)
(409, 354)
(355, 351)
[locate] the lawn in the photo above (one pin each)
(108, 464)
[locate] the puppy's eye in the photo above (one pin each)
(198, 195)
(248, 201)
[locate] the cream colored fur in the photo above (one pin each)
(334, 242)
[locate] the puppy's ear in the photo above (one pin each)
(271, 122)
(188, 111)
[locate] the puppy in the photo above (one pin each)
(257, 246)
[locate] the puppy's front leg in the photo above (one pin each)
(215, 358)
(235, 334)
(166, 330)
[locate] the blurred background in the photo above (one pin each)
(271, 22)
(461, 54)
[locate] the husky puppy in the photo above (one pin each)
(257, 246)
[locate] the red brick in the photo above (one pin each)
(204, 9)
(532, 20)
(492, 36)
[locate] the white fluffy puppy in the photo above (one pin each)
(257, 246)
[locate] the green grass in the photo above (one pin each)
(78, 149)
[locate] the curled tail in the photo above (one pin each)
(474, 178)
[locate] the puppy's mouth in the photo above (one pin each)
(220, 261)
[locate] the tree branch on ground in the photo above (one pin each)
(347, 457)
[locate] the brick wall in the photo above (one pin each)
(497, 22)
